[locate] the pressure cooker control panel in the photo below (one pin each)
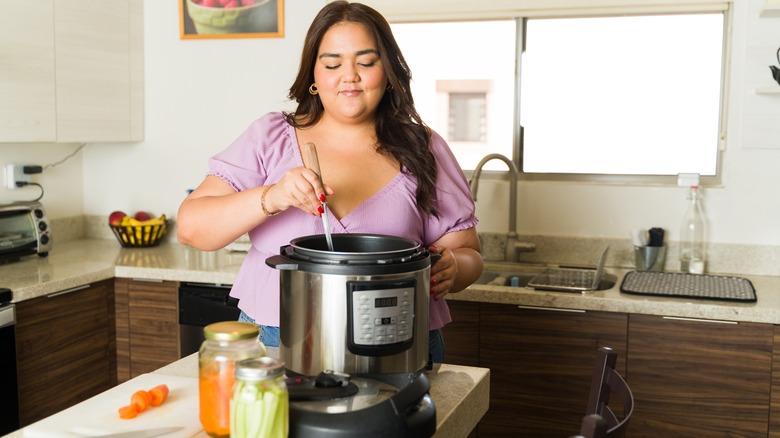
(381, 320)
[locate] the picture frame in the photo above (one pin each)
(209, 19)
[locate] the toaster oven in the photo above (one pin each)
(24, 230)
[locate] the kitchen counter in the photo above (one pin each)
(78, 262)
(461, 396)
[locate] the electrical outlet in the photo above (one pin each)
(14, 173)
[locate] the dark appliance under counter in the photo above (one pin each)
(9, 390)
(201, 304)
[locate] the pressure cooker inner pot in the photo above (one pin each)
(354, 249)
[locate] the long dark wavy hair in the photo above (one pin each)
(400, 131)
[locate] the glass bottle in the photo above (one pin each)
(692, 235)
(226, 344)
(260, 404)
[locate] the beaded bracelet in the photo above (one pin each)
(262, 202)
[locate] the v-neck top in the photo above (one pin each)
(268, 148)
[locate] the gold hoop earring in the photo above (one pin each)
(313, 89)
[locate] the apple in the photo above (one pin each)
(115, 218)
(143, 216)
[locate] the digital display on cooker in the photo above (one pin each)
(386, 302)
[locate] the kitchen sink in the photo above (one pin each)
(521, 278)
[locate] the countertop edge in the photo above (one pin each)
(80, 262)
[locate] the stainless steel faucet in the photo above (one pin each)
(513, 247)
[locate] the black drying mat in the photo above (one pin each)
(708, 287)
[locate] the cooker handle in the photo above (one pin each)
(422, 418)
(281, 263)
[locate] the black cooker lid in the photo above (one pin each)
(354, 249)
(387, 406)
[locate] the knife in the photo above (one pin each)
(310, 160)
(143, 433)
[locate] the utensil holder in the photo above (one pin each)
(649, 258)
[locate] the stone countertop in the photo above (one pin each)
(461, 394)
(78, 262)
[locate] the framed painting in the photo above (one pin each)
(210, 19)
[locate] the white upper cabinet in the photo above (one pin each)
(76, 71)
(27, 93)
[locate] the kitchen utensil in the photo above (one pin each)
(656, 237)
(649, 258)
(140, 433)
(310, 160)
(775, 70)
(361, 309)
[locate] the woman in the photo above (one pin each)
(385, 172)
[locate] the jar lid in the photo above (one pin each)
(231, 331)
(259, 368)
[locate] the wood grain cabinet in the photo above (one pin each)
(71, 71)
(540, 360)
(461, 336)
(147, 325)
(65, 349)
(698, 378)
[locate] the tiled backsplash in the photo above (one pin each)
(723, 258)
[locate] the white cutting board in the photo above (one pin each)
(99, 415)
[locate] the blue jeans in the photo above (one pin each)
(269, 336)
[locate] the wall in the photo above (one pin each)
(201, 94)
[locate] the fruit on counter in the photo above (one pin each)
(143, 216)
(115, 218)
(141, 400)
(120, 218)
(131, 221)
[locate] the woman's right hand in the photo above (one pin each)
(300, 188)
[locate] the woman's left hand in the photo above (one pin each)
(460, 263)
(443, 272)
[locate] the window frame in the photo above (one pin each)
(399, 11)
(622, 179)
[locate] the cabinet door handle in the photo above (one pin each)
(148, 280)
(552, 309)
(713, 321)
(67, 291)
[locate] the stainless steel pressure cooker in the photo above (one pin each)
(361, 308)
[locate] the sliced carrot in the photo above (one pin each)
(159, 393)
(140, 399)
(128, 412)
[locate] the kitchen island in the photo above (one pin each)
(461, 396)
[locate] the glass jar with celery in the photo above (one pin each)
(260, 404)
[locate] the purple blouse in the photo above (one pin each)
(269, 148)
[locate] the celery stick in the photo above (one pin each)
(267, 418)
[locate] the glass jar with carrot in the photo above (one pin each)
(226, 343)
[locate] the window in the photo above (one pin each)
(462, 91)
(618, 97)
(467, 121)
